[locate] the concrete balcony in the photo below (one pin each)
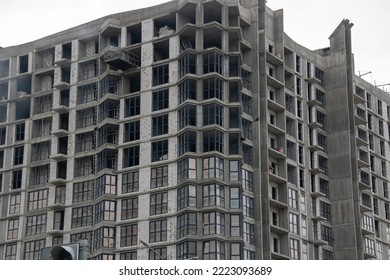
(275, 106)
(58, 181)
(278, 204)
(274, 59)
(273, 82)
(61, 85)
(279, 256)
(60, 109)
(276, 153)
(62, 62)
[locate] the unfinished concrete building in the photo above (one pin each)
(193, 129)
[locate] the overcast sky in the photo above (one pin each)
(308, 22)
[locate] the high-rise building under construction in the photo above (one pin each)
(192, 129)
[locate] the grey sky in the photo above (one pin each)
(308, 22)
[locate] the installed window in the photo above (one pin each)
(19, 131)
(187, 142)
(248, 206)
(107, 134)
(247, 180)
(132, 106)
(103, 237)
(158, 231)
(186, 250)
(105, 184)
(212, 62)
(131, 156)
(186, 169)
(186, 197)
(325, 210)
(129, 235)
(292, 198)
(83, 191)
(213, 195)
(247, 152)
(213, 250)
(294, 249)
(84, 166)
(128, 255)
(13, 229)
(187, 90)
(304, 227)
(105, 211)
(82, 216)
(213, 168)
(14, 204)
(234, 170)
(213, 114)
(158, 203)
(387, 211)
(17, 179)
(109, 84)
(186, 224)
(129, 209)
(86, 117)
(321, 98)
(36, 224)
(131, 131)
(212, 88)
(32, 249)
(293, 223)
(249, 233)
(160, 100)
(160, 74)
(187, 116)
(246, 101)
(213, 141)
(158, 253)
(234, 144)
(87, 93)
(187, 64)
(18, 155)
(159, 177)
(214, 223)
(85, 141)
(247, 129)
(160, 125)
(235, 251)
(326, 234)
(130, 182)
(160, 150)
(235, 198)
(38, 199)
(88, 70)
(235, 225)
(246, 78)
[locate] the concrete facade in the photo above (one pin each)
(193, 129)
